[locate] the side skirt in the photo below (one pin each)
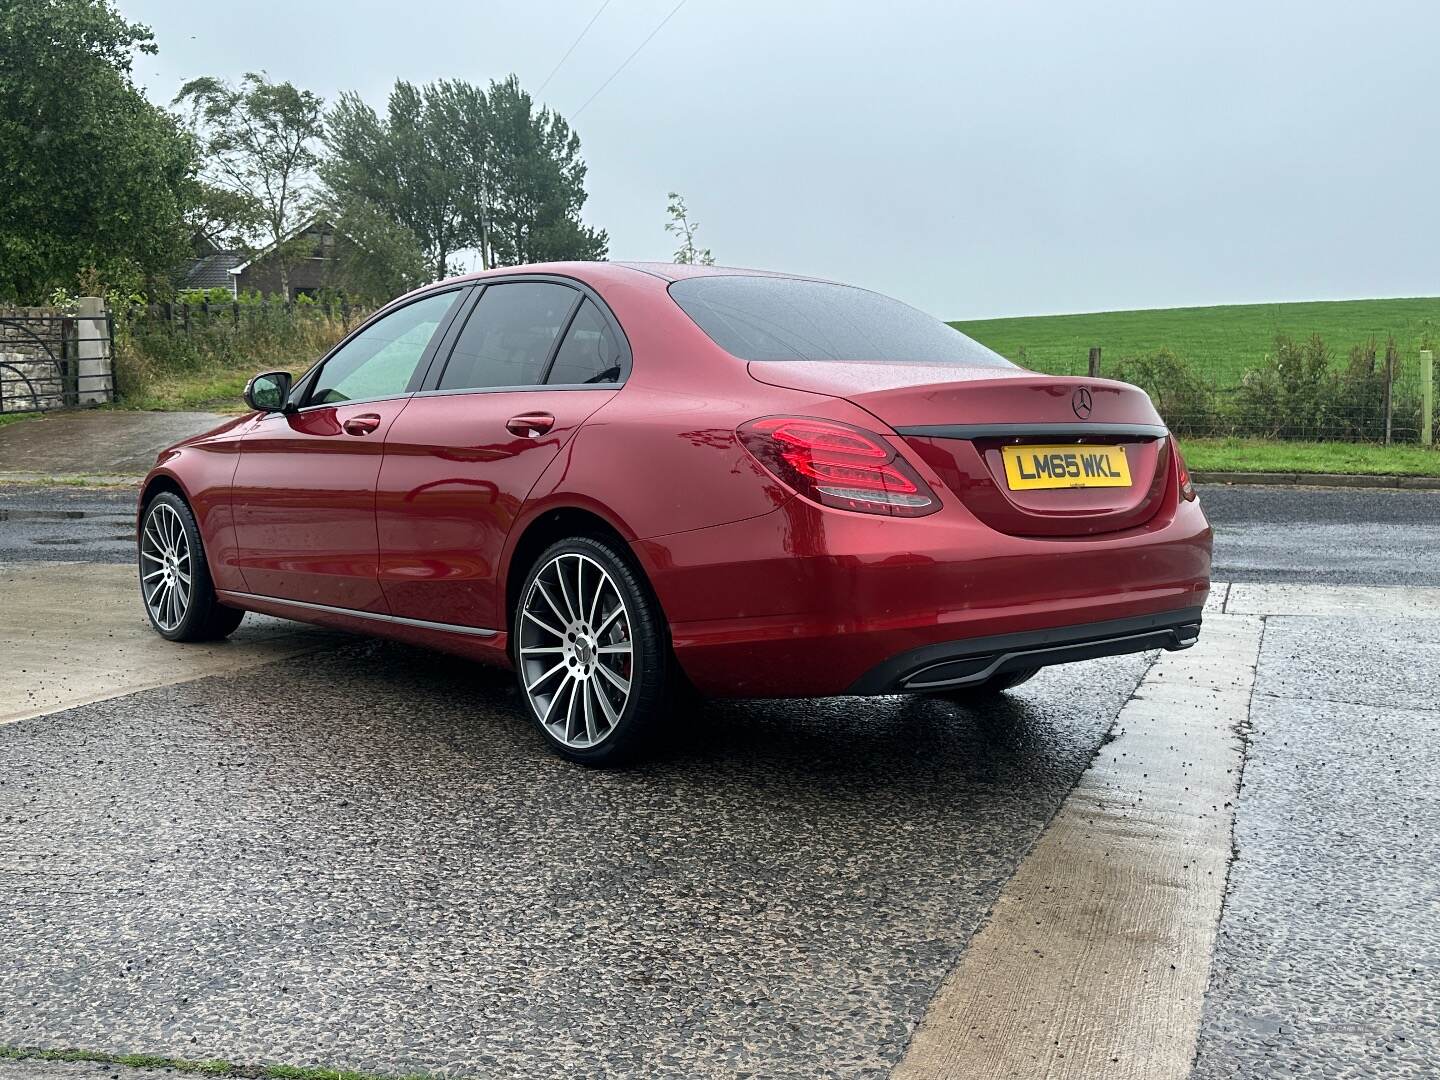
(478, 643)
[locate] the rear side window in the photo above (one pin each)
(509, 336)
(777, 318)
(590, 353)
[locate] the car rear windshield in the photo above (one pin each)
(778, 318)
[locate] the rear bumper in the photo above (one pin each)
(952, 665)
(805, 602)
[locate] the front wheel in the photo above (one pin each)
(175, 583)
(591, 652)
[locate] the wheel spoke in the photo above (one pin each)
(550, 600)
(616, 649)
(533, 650)
(623, 685)
(564, 590)
(605, 707)
(595, 601)
(530, 686)
(153, 573)
(544, 625)
(620, 610)
(555, 699)
(168, 529)
(570, 709)
(590, 733)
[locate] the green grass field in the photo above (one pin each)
(1220, 343)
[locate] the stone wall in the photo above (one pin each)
(51, 358)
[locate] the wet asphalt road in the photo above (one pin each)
(1301, 535)
(366, 858)
(1333, 536)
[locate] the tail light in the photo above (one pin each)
(1187, 488)
(838, 465)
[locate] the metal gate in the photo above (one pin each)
(53, 360)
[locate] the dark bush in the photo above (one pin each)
(1182, 398)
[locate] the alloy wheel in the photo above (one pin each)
(576, 651)
(166, 570)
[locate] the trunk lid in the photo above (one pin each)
(958, 420)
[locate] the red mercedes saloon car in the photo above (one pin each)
(622, 479)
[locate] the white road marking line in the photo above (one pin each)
(1095, 959)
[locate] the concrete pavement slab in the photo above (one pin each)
(76, 632)
(1366, 661)
(1328, 958)
(1248, 598)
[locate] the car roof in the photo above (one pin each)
(603, 271)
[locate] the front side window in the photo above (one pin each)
(778, 318)
(381, 359)
(509, 336)
(590, 353)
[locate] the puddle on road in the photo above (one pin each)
(42, 515)
(8, 514)
(55, 540)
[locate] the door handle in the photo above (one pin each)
(363, 424)
(530, 425)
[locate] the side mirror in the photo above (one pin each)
(269, 392)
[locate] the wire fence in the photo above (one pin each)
(1375, 392)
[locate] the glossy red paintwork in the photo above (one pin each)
(765, 592)
(454, 480)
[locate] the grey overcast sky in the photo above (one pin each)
(973, 158)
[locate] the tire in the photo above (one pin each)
(594, 677)
(990, 688)
(169, 548)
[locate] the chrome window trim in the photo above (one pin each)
(526, 388)
(419, 624)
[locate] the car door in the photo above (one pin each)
(304, 491)
(532, 360)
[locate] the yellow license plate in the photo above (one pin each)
(1065, 466)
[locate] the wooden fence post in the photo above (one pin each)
(1427, 398)
(1094, 361)
(1389, 388)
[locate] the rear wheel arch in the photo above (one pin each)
(561, 523)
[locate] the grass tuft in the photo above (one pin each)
(1265, 455)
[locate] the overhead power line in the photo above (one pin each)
(632, 56)
(572, 46)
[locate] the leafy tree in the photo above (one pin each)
(227, 219)
(417, 164)
(93, 178)
(381, 257)
(259, 141)
(681, 225)
(536, 183)
(459, 167)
